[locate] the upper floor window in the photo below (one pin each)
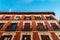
(26, 37)
(12, 27)
(6, 17)
(27, 18)
(27, 27)
(1, 25)
(6, 37)
(41, 27)
(17, 18)
(55, 26)
(49, 18)
(45, 37)
(38, 18)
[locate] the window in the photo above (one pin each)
(27, 27)
(7, 18)
(26, 37)
(17, 18)
(49, 18)
(45, 37)
(6, 37)
(1, 25)
(37, 18)
(27, 18)
(41, 27)
(12, 27)
(55, 27)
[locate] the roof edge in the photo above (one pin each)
(27, 13)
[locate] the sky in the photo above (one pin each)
(31, 6)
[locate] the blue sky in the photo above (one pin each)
(31, 6)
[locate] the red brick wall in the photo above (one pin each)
(17, 36)
(53, 35)
(35, 36)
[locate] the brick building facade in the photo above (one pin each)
(29, 26)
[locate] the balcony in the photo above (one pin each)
(1, 25)
(6, 37)
(6, 18)
(45, 37)
(27, 18)
(26, 37)
(12, 27)
(54, 26)
(49, 18)
(16, 18)
(27, 27)
(38, 18)
(41, 27)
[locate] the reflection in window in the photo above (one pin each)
(12, 27)
(27, 27)
(41, 27)
(1, 25)
(17, 18)
(27, 18)
(26, 37)
(55, 27)
(45, 37)
(6, 37)
(37, 18)
(49, 18)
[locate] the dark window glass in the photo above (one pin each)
(6, 37)
(41, 27)
(49, 18)
(27, 27)
(27, 18)
(7, 18)
(1, 25)
(38, 18)
(55, 27)
(45, 37)
(26, 37)
(12, 27)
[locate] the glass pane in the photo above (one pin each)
(41, 27)
(26, 37)
(27, 18)
(7, 18)
(27, 27)
(38, 18)
(45, 37)
(1, 25)
(6, 37)
(55, 27)
(17, 18)
(12, 27)
(50, 18)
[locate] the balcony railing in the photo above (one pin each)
(27, 18)
(50, 18)
(38, 18)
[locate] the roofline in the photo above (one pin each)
(27, 13)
